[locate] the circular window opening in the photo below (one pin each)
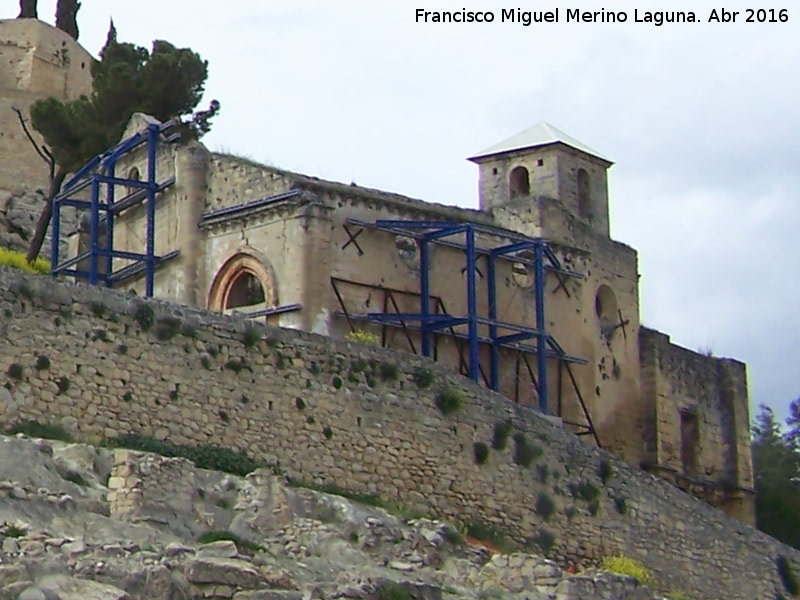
(606, 307)
(245, 290)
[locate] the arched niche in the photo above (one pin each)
(519, 182)
(244, 283)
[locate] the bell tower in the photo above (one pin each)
(544, 162)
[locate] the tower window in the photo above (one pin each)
(584, 194)
(690, 438)
(518, 182)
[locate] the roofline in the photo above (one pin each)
(478, 158)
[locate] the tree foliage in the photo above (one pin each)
(67, 17)
(165, 82)
(28, 9)
(776, 462)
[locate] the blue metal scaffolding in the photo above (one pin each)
(504, 245)
(98, 178)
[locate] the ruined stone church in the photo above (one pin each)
(332, 258)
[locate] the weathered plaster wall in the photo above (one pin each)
(331, 412)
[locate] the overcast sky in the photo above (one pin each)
(701, 120)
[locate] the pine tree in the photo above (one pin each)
(776, 466)
(67, 17)
(27, 9)
(167, 83)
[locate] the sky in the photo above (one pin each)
(700, 119)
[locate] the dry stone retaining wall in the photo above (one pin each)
(335, 413)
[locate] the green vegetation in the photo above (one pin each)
(76, 478)
(481, 453)
(167, 328)
(40, 430)
(500, 434)
(363, 337)
(545, 541)
(166, 83)
(15, 371)
(486, 533)
(450, 400)
(17, 260)
(622, 565)
(524, 451)
(226, 536)
(235, 364)
(423, 377)
(144, 315)
(787, 577)
(327, 432)
(251, 336)
(776, 461)
(390, 590)
(337, 382)
(98, 308)
(605, 471)
(205, 456)
(389, 371)
(583, 491)
(544, 507)
(543, 473)
(10, 530)
(42, 362)
(63, 384)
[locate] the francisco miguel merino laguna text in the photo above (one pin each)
(575, 15)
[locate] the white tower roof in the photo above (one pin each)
(541, 134)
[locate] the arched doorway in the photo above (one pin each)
(243, 284)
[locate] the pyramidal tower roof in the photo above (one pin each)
(541, 134)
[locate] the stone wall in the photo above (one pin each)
(330, 412)
(699, 436)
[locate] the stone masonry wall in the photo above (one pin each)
(331, 412)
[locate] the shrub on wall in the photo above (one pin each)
(16, 260)
(205, 456)
(450, 400)
(481, 452)
(500, 434)
(40, 430)
(622, 565)
(423, 377)
(363, 337)
(787, 577)
(524, 451)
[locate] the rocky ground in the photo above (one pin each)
(19, 212)
(67, 533)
